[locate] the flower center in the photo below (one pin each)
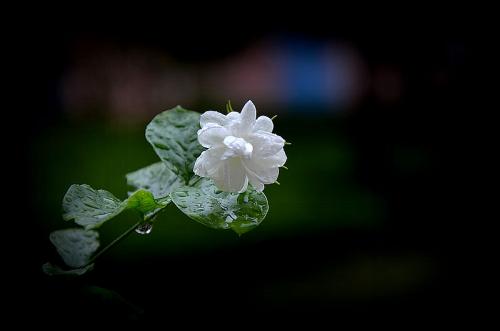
(238, 146)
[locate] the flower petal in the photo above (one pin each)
(256, 184)
(263, 123)
(236, 147)
(212, 135)
(265, 175)
(265, 144)
(248, 115)
(208, 162)
(233, 122)
(233, 116)
(245, 186)
(212, 117)
(231, 176)
(276, 160)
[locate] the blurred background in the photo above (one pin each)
(359, 222)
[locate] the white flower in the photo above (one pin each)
(241, 149)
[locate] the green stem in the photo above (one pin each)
(114, 242)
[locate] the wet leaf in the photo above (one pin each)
(206, 204)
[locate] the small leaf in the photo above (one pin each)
(54, 270)
(173, 135)
(144, 202)
(156, 178)
(75, 246)
(88, 207)
(206, 204)
(91, 208)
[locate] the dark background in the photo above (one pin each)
(361, 223)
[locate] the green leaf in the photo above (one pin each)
(54, 270)
(91, 208)
(145, 203)
(206, 204)
(173, 135)
(156, 178)
(88, 207)
(75, 246)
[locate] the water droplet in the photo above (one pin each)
(144, 228)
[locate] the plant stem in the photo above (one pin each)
(114, 242)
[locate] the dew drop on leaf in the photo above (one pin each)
(144, 228)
